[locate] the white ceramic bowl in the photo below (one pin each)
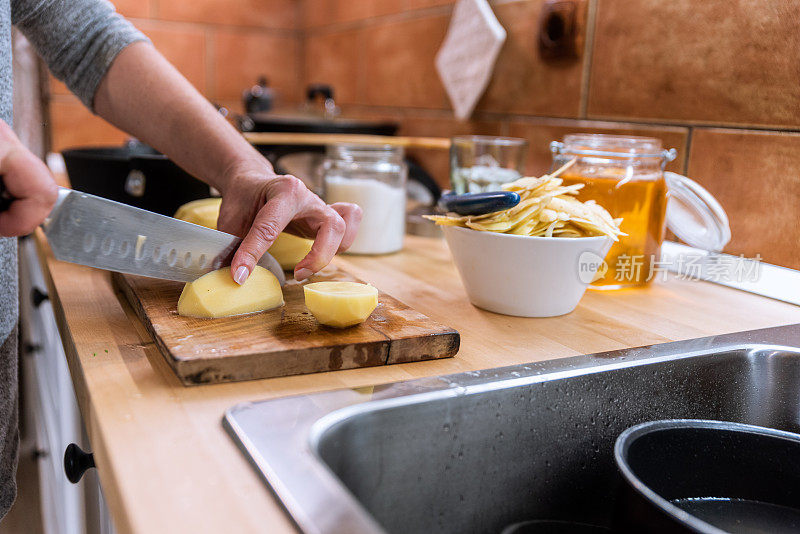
(525, 276)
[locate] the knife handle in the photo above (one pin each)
(5, 197)
(479, 203)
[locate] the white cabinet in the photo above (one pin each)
(52, 408)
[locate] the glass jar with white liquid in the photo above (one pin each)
(374, 177)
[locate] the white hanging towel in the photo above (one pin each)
(466, 59)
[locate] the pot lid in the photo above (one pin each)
(694, 215)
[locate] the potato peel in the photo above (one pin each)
(546, 209)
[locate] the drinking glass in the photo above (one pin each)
(483, 163)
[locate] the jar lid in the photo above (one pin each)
(694, 215)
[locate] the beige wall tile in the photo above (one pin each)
(399, 63)
(683, 60)
(72, 125)
(240, 57)
(421, 4)
(283, 14)
(318, 13)
(133, 8)
(333, 59)
(525, 83)
(183, 46)
(756, 177)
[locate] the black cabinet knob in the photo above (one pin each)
(38, 296)
(76, 462)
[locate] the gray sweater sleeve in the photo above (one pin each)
(78, 39)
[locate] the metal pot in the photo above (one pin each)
(319, 114)
(134, 174)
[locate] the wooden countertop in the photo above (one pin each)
(167, 465)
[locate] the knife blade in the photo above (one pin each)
(97, 232)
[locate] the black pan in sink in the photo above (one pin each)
(708, 477)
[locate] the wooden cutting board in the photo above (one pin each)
(284, 341)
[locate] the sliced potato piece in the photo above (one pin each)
(215, 294)
(204, 212)
(340, 304)
(289, 249)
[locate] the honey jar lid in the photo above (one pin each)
(694, 215)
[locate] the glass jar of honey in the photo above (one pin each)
(625, 175)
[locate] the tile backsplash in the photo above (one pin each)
(221, 46)
(717, 80)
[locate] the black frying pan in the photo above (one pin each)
(708, 477)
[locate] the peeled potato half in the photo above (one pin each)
(340, 304)
(204, 212)
(288, 249)
(215, 294)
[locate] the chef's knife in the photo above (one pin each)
(101, 233)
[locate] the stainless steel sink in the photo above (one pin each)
(475, 452)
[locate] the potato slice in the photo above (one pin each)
(547, 208)
(215, 294)
(288, 249)
(340, 304)
(204, 212)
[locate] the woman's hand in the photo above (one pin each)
(143, 94)
(259, 205)
(28, 182)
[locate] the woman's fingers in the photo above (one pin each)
(351, 214)
(329, 236)
(287, 199)
(29, 182)
(22, 217)
(270, 221)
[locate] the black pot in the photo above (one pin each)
(271, 122)
(135, 175)
(268, 122)
(707, 477)
(316, 118)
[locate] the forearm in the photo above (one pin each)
(147, 97)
